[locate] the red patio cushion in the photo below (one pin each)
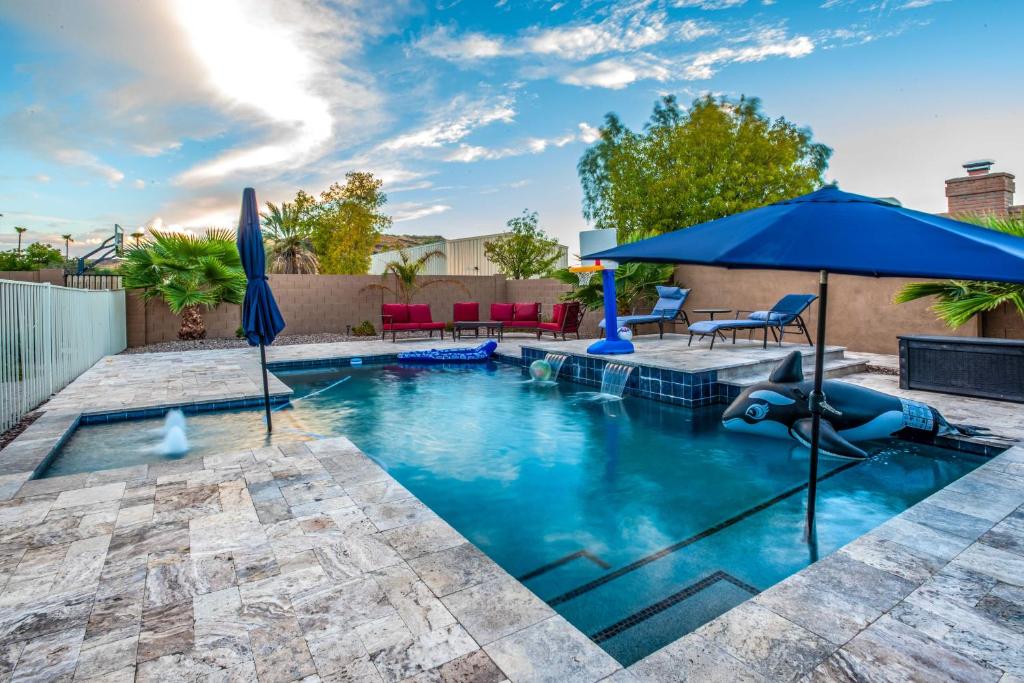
(521, 323)
(572, 312)
(419, 313)
(553, 327)
(430, 326)
(401, 326)
(399, 312)
(501, 311)
(557, 313)
(527, 311)
(466, 311)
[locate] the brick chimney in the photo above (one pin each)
(981, 191)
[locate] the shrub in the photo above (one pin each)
(364, 329)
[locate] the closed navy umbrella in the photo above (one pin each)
(831, 230)
(261, 318)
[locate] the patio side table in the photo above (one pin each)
(493, 327)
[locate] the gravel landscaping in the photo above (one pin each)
(236, 343)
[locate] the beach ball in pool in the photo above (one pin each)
(540, 370)
(625, 334)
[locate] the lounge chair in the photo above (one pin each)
(787, 313)
(669, 308)
(566, 319)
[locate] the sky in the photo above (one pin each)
(158, 113)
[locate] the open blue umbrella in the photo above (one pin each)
(834, 231)
(261, 318)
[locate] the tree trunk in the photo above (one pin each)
(192, 325)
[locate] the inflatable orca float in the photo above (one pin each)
(780, 408)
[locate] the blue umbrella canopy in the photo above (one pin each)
(261, 318)
(842, 233)
(834, 231)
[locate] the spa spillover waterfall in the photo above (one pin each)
(614, 378)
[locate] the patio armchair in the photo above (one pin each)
(786, 313)
(466, 312)
(565, 319)
(396, 318)
(668, 309)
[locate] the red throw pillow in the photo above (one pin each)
(527, 311)
(501, 311)
(399, 312)
(419, 313)
(466, 311)
(557, 313)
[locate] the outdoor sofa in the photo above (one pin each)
(396, 318)
(523, 315)
(787, 313)
(668, 309)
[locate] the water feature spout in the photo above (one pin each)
(175, 441)
(555, 360)
(614, 378)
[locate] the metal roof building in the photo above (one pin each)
(463, 256)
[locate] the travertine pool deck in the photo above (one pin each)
(309, 562)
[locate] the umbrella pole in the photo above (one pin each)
(817, 399)
(266, 386)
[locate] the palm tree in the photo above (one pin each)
(289, 247)
(961, 300)
(20, 230)
(406, 271)
(138, 235)
(67, 241)
(187, 272)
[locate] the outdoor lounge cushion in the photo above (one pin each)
(557, 313)
(712, 326)
(462, 355)
(430, 326)
(781, 318)
(670, 300)
(401, 326)
(501, 311)
(521, 323)
(466, 311)
(419, 313)
(529, 311)
(399, 312)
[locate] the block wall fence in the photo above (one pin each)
(862, 316)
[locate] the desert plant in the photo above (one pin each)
(21, 231)
(960, 300)
(68, 239)
(364, 329)
(187, 272)
(406, 271)
(289, 245)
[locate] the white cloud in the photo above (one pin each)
(769, 43)
(459, 120)
(411, 212)
(712, 4)
(589, 134)
(42, 178)
(615, 74)
(90, 162)
(918, 4)
(139, 184)
(627, 28)
(470, 153)
(157, 148)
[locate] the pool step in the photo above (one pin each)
(835, 367)
(764, 367)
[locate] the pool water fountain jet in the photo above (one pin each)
(175, 439)
(614, 378)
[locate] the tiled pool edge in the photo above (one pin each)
(888, 598)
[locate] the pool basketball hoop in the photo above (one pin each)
(585, 273)
(594, 242)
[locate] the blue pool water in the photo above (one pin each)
(604, 509)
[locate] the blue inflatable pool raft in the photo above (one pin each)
(464, 355)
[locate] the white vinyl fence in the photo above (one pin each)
(49, 336)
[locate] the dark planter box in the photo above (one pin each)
(970, 366)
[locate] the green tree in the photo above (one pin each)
(187, 272)
(21, 231)
(290, 248)
(346, 223)
(717, 158)
(41, 255)
(961, 300)
(525, 251)
(68, 239)
(406, 271)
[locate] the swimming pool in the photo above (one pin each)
(636, 520)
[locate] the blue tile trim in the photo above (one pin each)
(187, 408)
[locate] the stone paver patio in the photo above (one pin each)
(308, 562)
